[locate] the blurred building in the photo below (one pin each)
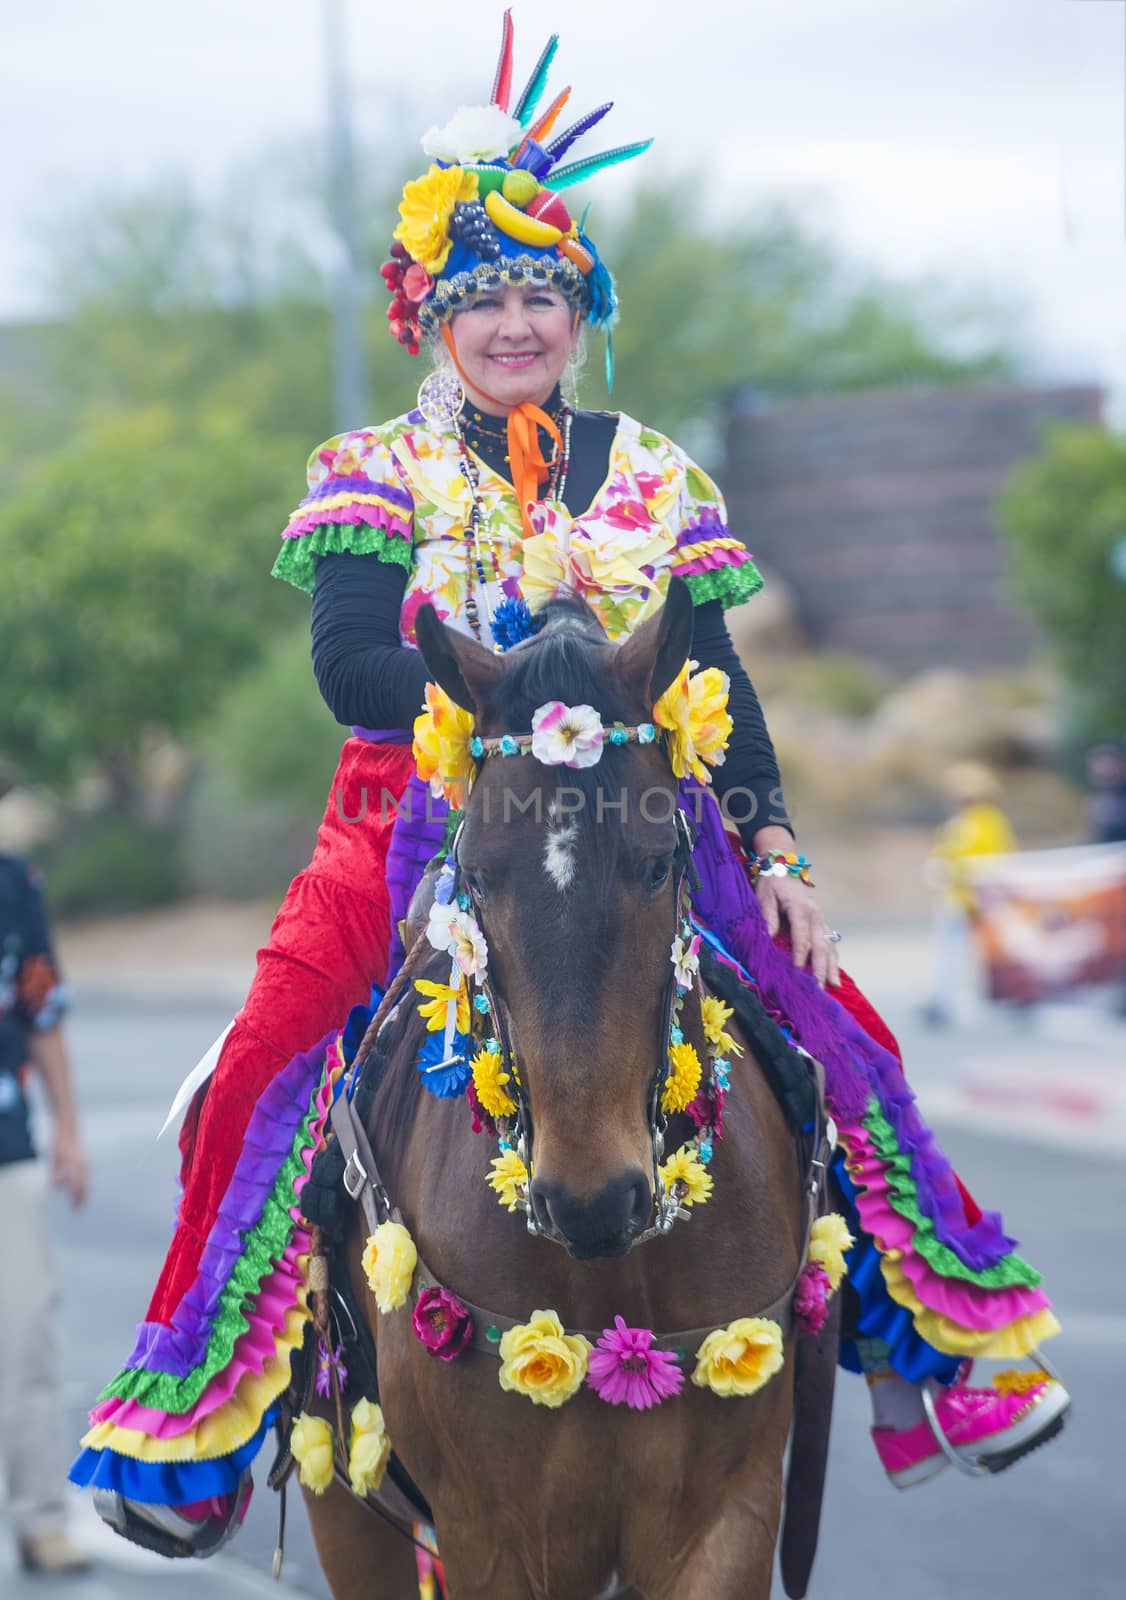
(878, 510)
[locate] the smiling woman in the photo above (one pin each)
(512, 346)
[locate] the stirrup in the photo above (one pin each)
(971, 1469)
(163, 1530)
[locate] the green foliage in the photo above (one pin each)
(112, 864)
(1064, 516)
(272, 735)
(136, 560)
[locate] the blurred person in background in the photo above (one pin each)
(32, 1003)
(976, 826)
(1106, 793)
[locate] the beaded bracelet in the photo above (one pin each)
(780, 864)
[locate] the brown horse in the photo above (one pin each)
(579, 910)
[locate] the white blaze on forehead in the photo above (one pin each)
(559, 852)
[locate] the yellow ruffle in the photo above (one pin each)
(1009, 1343)
(223, 1430)
(705, 547)
(335, 502)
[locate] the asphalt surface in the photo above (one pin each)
(1049, 1527)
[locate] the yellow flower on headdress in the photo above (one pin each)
(313, 1449)
(389, 1260)
(829, 1238)
(540, 1360)
(716, 1016)
(489, 1082)
(434, 1009)
(684, 1079)
(739, 1359)
(426, 208)
(441, 746)
(694, 710)
(508, 1177)
(686, 1167)
(370, 1449)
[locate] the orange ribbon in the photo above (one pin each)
(530, 472)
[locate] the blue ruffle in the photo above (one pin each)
(165, 1483)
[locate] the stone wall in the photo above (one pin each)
(879, 512)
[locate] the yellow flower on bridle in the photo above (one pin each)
(694, 711)
(441, 746)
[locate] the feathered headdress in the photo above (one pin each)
(490, 209)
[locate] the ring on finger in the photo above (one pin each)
(833, 936)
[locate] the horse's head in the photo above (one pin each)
(573, 873)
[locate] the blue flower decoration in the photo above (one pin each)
(447, 1082)
(481, 1003)
(476, 746)
(676, 1035)
(705, 1150)
(618, 734)
(513, 621)
(444, 888)
(646, 733)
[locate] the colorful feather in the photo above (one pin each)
(502, 83)
(563, 177)
(560, 146)
(543, 125)
(536, 84)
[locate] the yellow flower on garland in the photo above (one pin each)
(716, 1016)
(434, 1009)
(694, 710)
(441, 746)
(370, 1449)
(741, 1358)
(426, 208)
(312, 1444)
(389, 1261)
(489, 1082)
(687, 1168)
(541, 1361)
(508, 1177)
(829, 1238)
(684, 1079)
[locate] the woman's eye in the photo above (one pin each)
(657, 875)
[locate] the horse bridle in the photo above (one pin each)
(668, 1207)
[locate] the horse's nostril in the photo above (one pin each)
(603, 1225)
(642, 1204)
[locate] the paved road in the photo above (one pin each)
(1048, 1528)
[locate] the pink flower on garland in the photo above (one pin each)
(442, 1323)
(811, 1298)
(624, 1369)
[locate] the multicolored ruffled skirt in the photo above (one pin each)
(932, 1277)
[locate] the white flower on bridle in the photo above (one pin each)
(567, 736)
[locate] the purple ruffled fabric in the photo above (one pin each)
(358, 483)
(282, 1107)
(855, 1065)
(416, 838)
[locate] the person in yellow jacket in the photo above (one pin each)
(976, 826)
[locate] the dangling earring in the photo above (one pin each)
(440, 399)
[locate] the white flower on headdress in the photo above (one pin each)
(474, 133)
(566, 736)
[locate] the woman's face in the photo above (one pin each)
(513, 344)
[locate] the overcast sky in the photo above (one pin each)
(984, 140)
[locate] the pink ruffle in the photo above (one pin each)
(374, 516)
(278, 1294)
(968, 1304)
(709, 563)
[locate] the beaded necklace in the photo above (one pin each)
(474, 548)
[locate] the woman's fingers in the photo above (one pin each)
(768, 900)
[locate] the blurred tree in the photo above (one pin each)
(1065, 519)
(135, 587)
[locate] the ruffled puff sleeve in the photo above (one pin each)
(356, 502)
(715, 565)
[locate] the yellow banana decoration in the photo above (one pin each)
(519, 226)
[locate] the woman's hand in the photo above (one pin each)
(791, 900)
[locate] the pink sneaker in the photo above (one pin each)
(985, 1430)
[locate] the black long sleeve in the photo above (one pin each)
(368, 677)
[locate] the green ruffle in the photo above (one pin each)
(263, 1247)
(1011, 1272)
(296, 561)
(731, 585)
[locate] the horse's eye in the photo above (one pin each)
(475, 883)
(657, 874)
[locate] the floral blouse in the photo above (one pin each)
(398, 492)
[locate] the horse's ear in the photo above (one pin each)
(462, 667)
(654, 653)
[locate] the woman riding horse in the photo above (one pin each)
(492, 496)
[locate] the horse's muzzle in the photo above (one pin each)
(603, 1225)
